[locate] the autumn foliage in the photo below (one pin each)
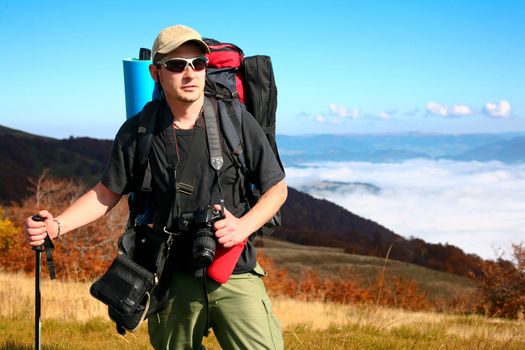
(310, 286)
(87, 252)
(502, 286)
(79, 255)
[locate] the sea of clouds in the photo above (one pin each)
(477, 206)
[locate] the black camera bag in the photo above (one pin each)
(134, 287)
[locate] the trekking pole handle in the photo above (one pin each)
(47, 247)
(38, 218)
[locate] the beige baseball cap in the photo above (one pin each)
(172, 37)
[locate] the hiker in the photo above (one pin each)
(239, 310)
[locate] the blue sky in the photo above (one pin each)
(341, 66)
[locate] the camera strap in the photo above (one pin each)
(214, 143)
(212, 133)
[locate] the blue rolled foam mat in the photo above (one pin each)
(139, 87)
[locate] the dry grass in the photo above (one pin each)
(72, 301)
(307, 325)
(321, 316)
(60, 300)
(314, 315)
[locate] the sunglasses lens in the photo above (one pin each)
(199, 63)
(176, 66)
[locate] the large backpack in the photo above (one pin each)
(236, 79)
(232, 79)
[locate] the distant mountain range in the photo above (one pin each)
(322, 186)
(306, 220)
(24, 156)
(505, 147)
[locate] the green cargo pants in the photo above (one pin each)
(240, 314)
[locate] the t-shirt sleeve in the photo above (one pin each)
(264, 169)
(118, 173)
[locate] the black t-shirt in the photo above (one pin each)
(263, 171)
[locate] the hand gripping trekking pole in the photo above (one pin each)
(48, 248)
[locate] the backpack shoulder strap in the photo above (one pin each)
(231, 124)
(147, 121)
(142, 176)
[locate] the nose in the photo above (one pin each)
(189, 74)
(189, 71)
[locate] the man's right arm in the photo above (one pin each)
(88, 208)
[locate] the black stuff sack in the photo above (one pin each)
(133, 287)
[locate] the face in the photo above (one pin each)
(187, 86)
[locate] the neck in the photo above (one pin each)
(185, 113)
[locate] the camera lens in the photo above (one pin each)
(203, 248)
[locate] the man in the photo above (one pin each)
(239, 310)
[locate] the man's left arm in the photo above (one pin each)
(231, 230)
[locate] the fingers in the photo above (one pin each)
(228, 230)
(218, 207)
(36, 235)
(219, 225)
(45, 215)
(226, 241)
(224, 230)
(36, 231)
(223, 222)
(228, 235)
(230, 241)
(32, 224)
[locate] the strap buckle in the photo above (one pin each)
(184, 188)
(169, 242)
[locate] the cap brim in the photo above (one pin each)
(174, 45)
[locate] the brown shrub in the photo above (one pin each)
(79, 255)
(502, 286)
(310, 286)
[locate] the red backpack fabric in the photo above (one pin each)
(226, 57)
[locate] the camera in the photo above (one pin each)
(200, 222)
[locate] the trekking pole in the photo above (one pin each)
(38, 250)
(48, 248)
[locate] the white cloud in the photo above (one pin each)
(320, 118)
(459, 110)
(500, 110)
(343, 112)
(475, 206)
(437, 109)
(338, 110)
(442, 110)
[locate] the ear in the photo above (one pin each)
(153, 71)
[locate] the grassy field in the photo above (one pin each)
(71, 319)
(334, 262)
